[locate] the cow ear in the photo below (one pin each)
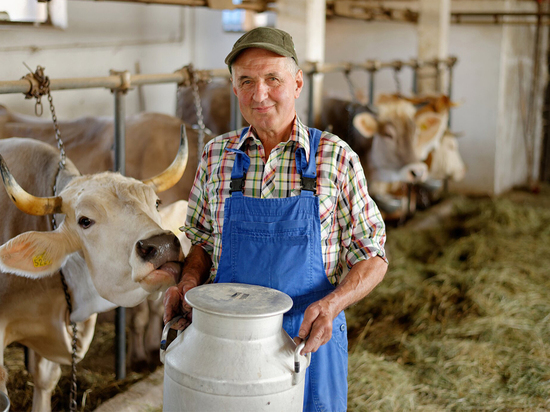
(430, 128)
(35, 254)
(366, 124)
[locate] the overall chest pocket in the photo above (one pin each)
(276, 255)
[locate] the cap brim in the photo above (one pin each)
(266, 46)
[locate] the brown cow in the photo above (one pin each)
(215, 104)
(151, 142)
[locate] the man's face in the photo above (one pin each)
(266, 89)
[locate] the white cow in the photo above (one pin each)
(151, 141)
(109, 244)
(404, 136)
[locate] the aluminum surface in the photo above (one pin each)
(238, 300)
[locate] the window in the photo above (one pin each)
(33, 12)
(245, 20)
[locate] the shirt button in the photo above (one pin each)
(342, 327)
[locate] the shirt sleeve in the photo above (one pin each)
(198, 223)
(362, 226)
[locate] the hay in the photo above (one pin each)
(462, 318)
(95, 376)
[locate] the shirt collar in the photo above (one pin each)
(299, 135)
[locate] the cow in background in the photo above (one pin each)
(109, 243)
(151, 143)
(402, 133)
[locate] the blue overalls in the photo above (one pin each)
(276, 243)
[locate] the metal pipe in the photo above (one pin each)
(120, 166)
(310, 99)
(371, 87)
(109, 82)
(234, 112)
(115, 81)
(450, 92)
(120, 132)
(437, 76)
(120, 343)
(415, 80)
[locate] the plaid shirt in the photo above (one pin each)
(351, 226)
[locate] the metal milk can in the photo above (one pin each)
(235, 355)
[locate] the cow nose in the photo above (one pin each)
(159, 249)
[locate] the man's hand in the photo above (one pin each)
(358, 283)
(194, 273)
(175, 304)
(317, 325)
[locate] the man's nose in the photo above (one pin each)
(260, 92)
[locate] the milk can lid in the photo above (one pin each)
(237, 299)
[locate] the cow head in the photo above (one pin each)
(112, 221)
(402, 138)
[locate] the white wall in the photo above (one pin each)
(103, 36)
(476, 81)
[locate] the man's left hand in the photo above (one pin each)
(317, 325)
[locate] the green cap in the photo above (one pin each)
(267, 38)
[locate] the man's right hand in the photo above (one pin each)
(175, 304)
(195, 272)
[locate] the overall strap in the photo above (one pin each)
(308, 170)
(240, 167)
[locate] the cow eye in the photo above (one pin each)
(159, 202)
(85, 222)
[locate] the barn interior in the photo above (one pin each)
(460, 322)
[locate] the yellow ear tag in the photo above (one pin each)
(40, 260)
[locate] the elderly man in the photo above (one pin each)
(282, 205)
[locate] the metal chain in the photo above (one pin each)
(37, 91)
(397, 65)
(198, 110)
(60, 144)
(350, 85)
(74, 387)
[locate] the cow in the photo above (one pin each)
(403, 133)
(151, 141)
(109, 245)
(445, 162)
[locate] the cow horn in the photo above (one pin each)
(173, 174)
(38, 206)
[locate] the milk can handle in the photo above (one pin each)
(164, 337)
(297, 363)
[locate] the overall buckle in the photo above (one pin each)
(237, 185)
(309, 183)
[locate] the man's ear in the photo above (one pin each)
(299, 83)
(35, 254)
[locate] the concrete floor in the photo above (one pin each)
(144, 396)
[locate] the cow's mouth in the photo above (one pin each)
(162, 277)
